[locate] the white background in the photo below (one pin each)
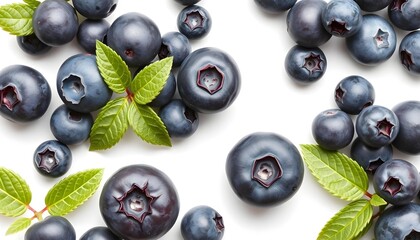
(268, 101)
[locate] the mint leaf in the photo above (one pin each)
(110, 124)
(19, 225)
(337, 173)
(147, 125)
(16, 18)
(32, 3)
(15, 194)
(348, 222)
(377, 201)
(148, 83)
(72, 191)
(112, 68)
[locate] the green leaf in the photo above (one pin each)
(112, 68)
(16, 18)
(19, 225)
(377, 201)
(147, 125)
(15, 194)
(348, 222)
(337, 173)
(72, 191)
(148, 83)
(32, 3)
(110, 124)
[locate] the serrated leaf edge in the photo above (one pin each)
(13, 177)
(21, 31)
(18, 225)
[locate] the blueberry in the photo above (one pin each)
(275, 6)
(409, 52)
(166, 94)
(264, 169)
(304, 23)
(305, 65)
(180, 120)
(187, 2)
(373, 5)
(374, 43)
(55, 22)
(51, 228)
(208, 80)
(99, 233)
(370, 158)
(342, 18)
(194, 22)
(202, 222)
(377, 126)
(89, 32)
(408, 114)
(139, 202)
(70, 127)
(399, 222)
(353, 93)
(332, 129)
(177, 45)
(405, 14)
(397, 181)
(95, 9)
(80, 84)
(52, 158)
(135, 37)
(31, 44)
(25, 94)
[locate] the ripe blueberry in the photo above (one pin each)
(202, 222)
(52, 158)
(51, 228)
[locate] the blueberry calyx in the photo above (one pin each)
(392, 186)
(136, 203)
(384, 127)
(406, 59)
(73, 89)
(339, 94)
(75, 116)
(190, 115)
(163, 52)
(338, 27)
(266, 170)
(313, 63)
(9, 97)
(220, 226)
(129, 53)
(397, 4)
(47, 160)
(413, 235)
(381, 39)
(374, 164)
(210, 78)
(194, 19)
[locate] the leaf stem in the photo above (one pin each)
(368, 195)
(37, 215)
(130, 95)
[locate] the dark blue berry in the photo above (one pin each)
(90, 31)
(264, 169)
(31, 44)
(194, 22)
(51, 228)
(373, 5)
(52, 158)
(370, 158)
(405, 14)
(408, 114)
(95, 9)
(275, 6)
(180, 120)
(342, 18)
(176, 45)
(25, 94)
(99, 233)
(409, 52)
(332, 129)
(202, 222)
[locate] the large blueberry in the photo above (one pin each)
(70, 127)
(25, 94)
(135, 37)
(95, 9)
(342, 18)
(353, 93)
(52, 158)
(370, 158)
(405, 14)
(377, 126)
(332, 129)
(180, 120)
(305, 65)
(409, 52)
(208, 80)
(408, 114)
(264, 169)
(80, 84)
(373, 5)
(177, 45)
(139, 202)
(55, 22)
(304, 23)
(51, 228)
(31, 44)
(202, 222)
(374, 43)
(399, 222)
(90, 31)
(275, 6)
(194, 22)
